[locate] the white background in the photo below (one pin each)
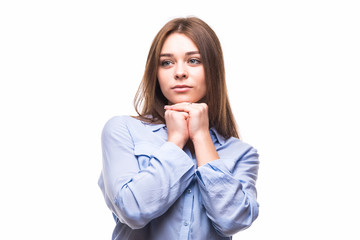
(292, 67)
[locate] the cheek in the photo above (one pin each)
(201, 79)
(200, 74)
(162, 82)
(160, 77)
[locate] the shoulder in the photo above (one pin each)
(130, 129)
(120, 124)
(116, 121)
(123, 120)
(236, 142)
(119, 120)
(231, 144)
(234, 145)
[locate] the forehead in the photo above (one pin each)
(178, 42)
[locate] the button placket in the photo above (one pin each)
(187, 212)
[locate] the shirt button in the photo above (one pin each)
(189, 191)
(186, 223)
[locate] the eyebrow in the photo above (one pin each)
(171, 55)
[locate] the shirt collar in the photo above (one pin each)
(215, 136)
(154, 127)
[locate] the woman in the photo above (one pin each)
(178, 170)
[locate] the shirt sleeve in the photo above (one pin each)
(227, 187)
(137, 196)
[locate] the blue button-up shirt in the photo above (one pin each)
(156, 191)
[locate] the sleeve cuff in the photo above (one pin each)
(211, 169)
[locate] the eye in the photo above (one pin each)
(165, 63)
(194, 61)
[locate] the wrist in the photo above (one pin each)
(177, 141)
(201, 137)
(204, 149)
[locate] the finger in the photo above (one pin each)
(180, 107)
(175, 113)
(177, 105)
(186, 107)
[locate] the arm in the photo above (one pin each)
(138, 196)
(227, 186)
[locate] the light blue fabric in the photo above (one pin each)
(156, 191)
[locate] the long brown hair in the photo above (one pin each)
(149, 101)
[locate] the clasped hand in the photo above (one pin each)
(186, 121)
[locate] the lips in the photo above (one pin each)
(181, 88)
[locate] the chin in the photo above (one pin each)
(183, 101)
(186, 99)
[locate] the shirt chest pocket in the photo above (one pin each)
(144, 152)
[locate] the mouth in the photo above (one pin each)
(181, 88)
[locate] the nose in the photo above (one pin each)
(180, 72)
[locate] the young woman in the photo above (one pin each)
(178, 170)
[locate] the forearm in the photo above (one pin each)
(204, 149)
(135, 178)
(149, 193)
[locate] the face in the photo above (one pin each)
(181, 73)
